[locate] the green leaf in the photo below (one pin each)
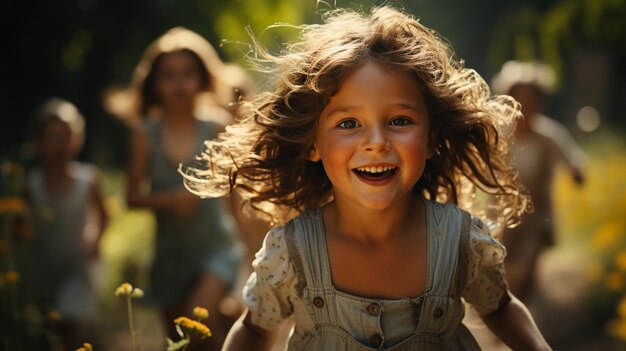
(180, 332)
(174, 346)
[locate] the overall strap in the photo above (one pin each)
(294, 257)
(447, 223)
(306, 244)
(439, 310)
(463, 254)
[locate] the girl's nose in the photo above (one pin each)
(376, 140)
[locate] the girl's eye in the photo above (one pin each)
(348, 124)
(401, 121)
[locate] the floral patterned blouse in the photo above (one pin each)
(270, 292)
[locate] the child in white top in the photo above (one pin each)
(373, 131)
(68, 218)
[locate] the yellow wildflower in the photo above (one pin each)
(11, 168)
(620, 260)
(86, 347)
(594, 272)
(194, 326)
(54, 315)
(617, 328)
(615, 281)
(621, 307)
(606, 236)
(200, 313)
(124, 289)
(11, 277)
(12, 204)
(137, 293)
(127, 290)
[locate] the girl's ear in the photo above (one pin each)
(314, 155)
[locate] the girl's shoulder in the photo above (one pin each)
(149, 129)
(440, 212)
(84, 172)
(441, 207)
(208, 128)
(448, 209)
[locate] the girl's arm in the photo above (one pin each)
(514, 325)
(181, 201)
(244, 335)
(102, 217)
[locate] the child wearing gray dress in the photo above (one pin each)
(367, 155)
(68, 217)
(177, 88)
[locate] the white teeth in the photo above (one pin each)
(375, 169)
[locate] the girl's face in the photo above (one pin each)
(177, 80)
(529, 97)
(54, 142)
(372, 137)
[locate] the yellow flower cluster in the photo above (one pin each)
(593, 217)
(86, 347)
(201, 313)
(12, 204)
(11, 277)
(193, 326)
(55, 315)
(617, 326)
(127, 290)
(11, 169)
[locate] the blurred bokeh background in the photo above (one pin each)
(76, 49)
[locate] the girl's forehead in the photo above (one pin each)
(374, 86)
(54, 125)
(175, 56)
(378, 78)
(386, 71)
(179, 57)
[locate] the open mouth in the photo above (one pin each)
(375, 173)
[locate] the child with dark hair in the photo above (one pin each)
(178, 100)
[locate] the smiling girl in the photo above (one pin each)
(374, 134)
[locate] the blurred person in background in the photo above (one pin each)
(176, 101)
(541, 145)
(68, 216)
(253, 228)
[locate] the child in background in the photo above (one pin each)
(180, 103)
(541, 145)
(68, 218)
(374, 132)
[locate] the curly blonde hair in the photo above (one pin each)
(266, 154)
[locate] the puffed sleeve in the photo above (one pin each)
(270, 290)
(486, 284)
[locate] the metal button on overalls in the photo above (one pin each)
(376, 340)
(438, 312)
(318, 302)
(373, 309)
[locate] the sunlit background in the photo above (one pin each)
(77, 49)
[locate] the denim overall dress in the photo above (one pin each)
(328, 319)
